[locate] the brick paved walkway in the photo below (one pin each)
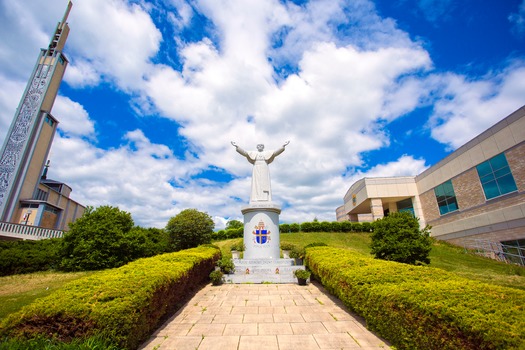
(263, 316)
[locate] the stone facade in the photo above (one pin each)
(516, 159)
(469, 192)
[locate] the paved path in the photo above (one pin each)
(263, 316)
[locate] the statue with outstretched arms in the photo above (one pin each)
(261, 189)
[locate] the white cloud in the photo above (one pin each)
(116, 39)
(73, 118)
(404, 166)
(468, 107)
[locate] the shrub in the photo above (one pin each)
(17, 257)
(234, 224)
(397, 237)
(234, 233)
(307, 227)
(367, 226)
(287, 246)
(295, 227)
(419, 307)
(216, 277)
(189, 229)
(357, 227)
(336, 226)
(302, 274)
(284, 228)
(346, 226)
(97, 240)
(226, 265)
(325, 226)
(124, 306)
(238, 245)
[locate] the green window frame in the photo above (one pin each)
(446, 198)
(495, 177)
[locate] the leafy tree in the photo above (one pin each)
(234, 224)
(189, 229)
(397, 237)
(97, 240)
(145, 242)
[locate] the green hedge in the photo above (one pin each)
(123, 305)
(417, 307)
(17, 257)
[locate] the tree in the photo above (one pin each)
(189, 229)
(234, 224)
(397, 237)
(96, 240)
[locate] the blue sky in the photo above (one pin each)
(156, 90)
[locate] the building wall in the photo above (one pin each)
(516, 160)
(501, 218)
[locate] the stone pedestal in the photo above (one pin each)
(263, 271)
(261, 262)
(261, 230)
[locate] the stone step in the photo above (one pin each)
(266, 270)
(264, 262)
(260, 278)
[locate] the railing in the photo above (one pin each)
(11, 230)
(495, 250)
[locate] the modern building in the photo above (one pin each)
(475, 193)
(27, 197)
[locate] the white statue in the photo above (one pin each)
(260, 159)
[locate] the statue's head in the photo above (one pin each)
(260, 147)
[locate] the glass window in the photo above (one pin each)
(446, 198)
(405, 205)
(496, 177)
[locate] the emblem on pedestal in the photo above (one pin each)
(262, 235)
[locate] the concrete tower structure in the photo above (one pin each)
(28, 141)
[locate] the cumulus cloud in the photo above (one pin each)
(74, 119)
(113, 39)
(467, 107)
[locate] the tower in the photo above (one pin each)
(28, 141)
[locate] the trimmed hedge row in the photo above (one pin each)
(417, 307)
(123, 305)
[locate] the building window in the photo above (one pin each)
(446, 198)
(495, 177)
(48, 120)
(405, 205)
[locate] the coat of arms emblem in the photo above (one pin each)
(261, 234)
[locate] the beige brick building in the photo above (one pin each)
(476, 192)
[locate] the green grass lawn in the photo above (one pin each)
(443, 255)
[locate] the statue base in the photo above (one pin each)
(263, 271)
(261, 230)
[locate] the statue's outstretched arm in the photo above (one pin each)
(240, 150)
(277, 152)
